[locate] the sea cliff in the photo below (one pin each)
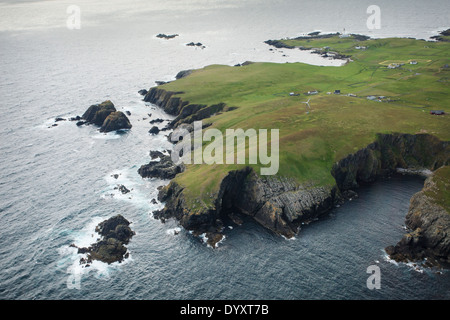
(281, 204)
(428, 221)
(378, 120)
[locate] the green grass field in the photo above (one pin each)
(337, 124)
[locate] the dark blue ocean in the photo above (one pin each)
(56, 182)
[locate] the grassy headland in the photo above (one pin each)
(337, 125)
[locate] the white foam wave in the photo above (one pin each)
(141, 191)
(413, 265)
(71, 259)
(289, 239)
(106, 136)
(205, 239)
(173, 231)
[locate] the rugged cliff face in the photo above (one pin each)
(386, 154)
(282, 205)
(429, 224)
(279, 203)
(185, 112)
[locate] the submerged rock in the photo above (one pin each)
(156, 154)
(77, 118)
(158, 120)
(122, 189)
(192, 44)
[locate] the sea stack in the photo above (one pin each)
(107, 117)
(115, 121)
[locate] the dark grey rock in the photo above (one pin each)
(154, 130)
(115, 121)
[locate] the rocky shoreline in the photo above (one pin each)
(428, 237)
(316, 35)
(279, 203)
(185, 112)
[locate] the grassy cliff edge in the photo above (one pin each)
(312, 142)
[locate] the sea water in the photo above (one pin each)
(57, 182)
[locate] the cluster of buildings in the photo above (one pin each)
(398, 65)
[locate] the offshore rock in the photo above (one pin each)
(115, 121)
(115, 233)
(97, 113)
(154, 130)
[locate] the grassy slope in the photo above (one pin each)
(440, 192)
(337, 124)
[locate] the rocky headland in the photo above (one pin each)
(184, 111)
(428, 238)
(325, 52)
(279, 203)
(283, 204)
(443, 36)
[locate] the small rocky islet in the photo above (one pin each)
(110, 247)
(107, 117)
(103, 115)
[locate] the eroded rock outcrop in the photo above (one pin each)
(164, 168)
(183, 110)
(279, 204)
(97, 113)
(115, 234)
(115, 121)
(429, 229)
(386, 154)
(282, 205)
(106, 116)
